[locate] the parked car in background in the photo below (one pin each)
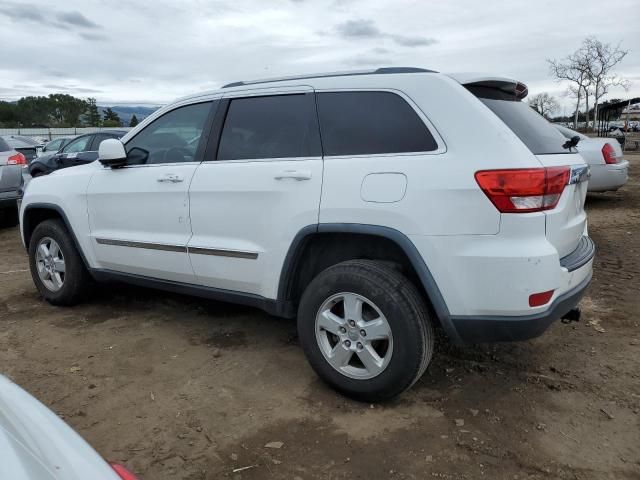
(609, 170)
(12, 164)
(25, 145)
(35, 444)
(335, 199)
(78, 151)
(55, 145)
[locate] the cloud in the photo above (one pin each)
(367, 29)
(77, 19)
(21, 12)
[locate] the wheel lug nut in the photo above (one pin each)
(347, 343)
(359, 346)
(363, 333)
(352, 323)
(343, 330)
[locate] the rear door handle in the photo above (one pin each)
(294, 174)
(170, 178)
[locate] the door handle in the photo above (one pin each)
(170, 178)
(294, 174)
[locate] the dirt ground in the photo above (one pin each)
(183, 388)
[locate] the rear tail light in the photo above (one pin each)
(609, 153)
(17, 159)
(122, 472)
(538, 299)
(524, 190)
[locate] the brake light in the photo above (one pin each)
(524, 190)
(538, 299)
(609, 153)
(17, 159)
(122, 472)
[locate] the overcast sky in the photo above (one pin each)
(150, 52)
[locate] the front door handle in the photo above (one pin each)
(171, 178)
(294, 174)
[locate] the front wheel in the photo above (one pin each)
(365, 330)
(56, 266)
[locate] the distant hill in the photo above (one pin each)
(125, 113)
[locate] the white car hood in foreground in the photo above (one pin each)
(37, 445)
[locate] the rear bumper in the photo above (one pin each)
(504, 329)
(608, 177)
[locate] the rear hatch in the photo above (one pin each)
(565, 224)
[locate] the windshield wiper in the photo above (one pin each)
(572, 142)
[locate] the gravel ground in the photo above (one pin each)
(183, 388)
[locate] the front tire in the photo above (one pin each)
(56, 266)
(365, 330)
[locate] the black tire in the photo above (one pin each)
(37, 173)
(406, 313)
(77, 280)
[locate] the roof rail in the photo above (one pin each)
(384, 70)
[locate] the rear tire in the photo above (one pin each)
(341, 351)
(57, 268)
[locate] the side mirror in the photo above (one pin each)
(111, 153)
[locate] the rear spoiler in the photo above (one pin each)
(504, 84)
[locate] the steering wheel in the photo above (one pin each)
(176, 154)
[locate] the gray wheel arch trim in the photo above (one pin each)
(400, 239)
(65, 219)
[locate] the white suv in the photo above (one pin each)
(371, 205)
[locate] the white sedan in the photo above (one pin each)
(609, 170)
(35, 444)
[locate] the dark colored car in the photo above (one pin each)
(82, 149)
(25, 145)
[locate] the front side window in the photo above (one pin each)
(172, 138)
(281, 126)
(78, 145)
(369, 123)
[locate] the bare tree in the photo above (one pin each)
(544, 104)
(603, 57)
(575, 69)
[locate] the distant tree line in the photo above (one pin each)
(58, 110)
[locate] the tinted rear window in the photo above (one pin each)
(4, 146)
(539, 135)
(368, 123)
(283, 126)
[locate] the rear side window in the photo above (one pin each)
(4, 146)
(281, 126)
(98, 139)
(539, 135)
(369, 123)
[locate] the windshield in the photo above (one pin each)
(533, 129)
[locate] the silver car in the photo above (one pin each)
(35, 444)
(609, 169)
(12, 168)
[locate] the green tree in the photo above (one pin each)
(8, 115)
(134, 121)
(34, 111)
(66, 110)
(92, 115)
(111, 118)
